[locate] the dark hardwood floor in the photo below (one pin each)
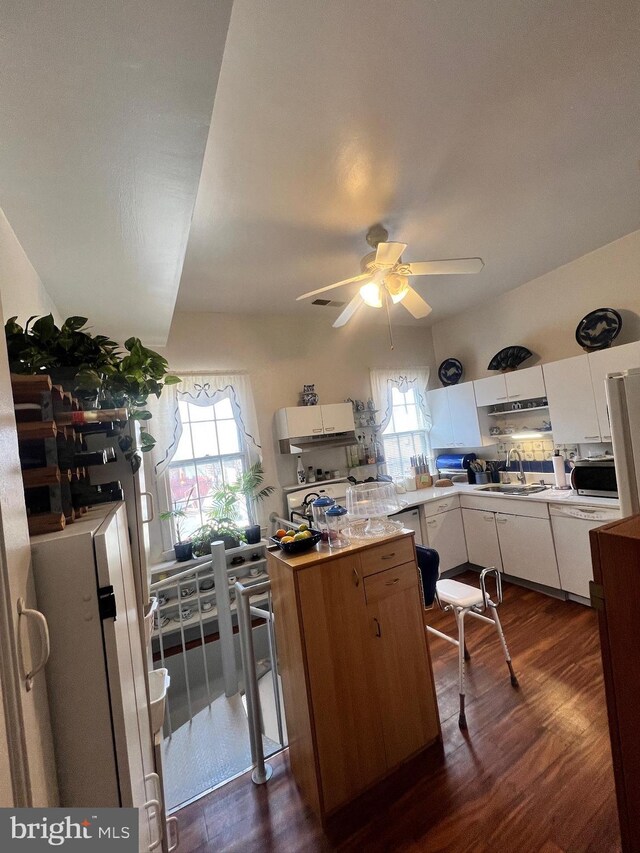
(531, 773)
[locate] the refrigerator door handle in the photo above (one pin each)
(155, 805)
(45, 646)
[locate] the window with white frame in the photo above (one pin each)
(210, 454)
(405, 435)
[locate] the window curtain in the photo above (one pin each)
(201, 389)
(382, 381)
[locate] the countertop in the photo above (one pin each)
(321, 552)
(550, 495)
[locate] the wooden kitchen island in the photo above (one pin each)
(358, 687)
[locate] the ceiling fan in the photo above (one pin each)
(385, 277)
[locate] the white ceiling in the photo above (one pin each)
(508, 129)
(104, 115)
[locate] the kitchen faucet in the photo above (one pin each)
(513, 452)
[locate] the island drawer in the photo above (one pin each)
(383, 584)
(386, 555)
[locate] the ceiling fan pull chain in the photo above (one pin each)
(386, 303)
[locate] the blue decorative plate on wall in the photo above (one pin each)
(598, 329)
(450, 371)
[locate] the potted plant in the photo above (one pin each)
(183, 550)
(226, 499)
(223, 529)
(92, 366)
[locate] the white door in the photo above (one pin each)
(304, 420)
(607, 361)
(464, 415)
(124, 666)
(491, 390)
(572, 407)
(525, 384)
(441, 434)
(526, 545)
(482, 538)
(336, 417)
(445, 534)
(27, 712)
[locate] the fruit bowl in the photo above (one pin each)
(300, 545)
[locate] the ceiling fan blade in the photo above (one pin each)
(415, 304)
(349, 311)
(388, 254)
(353, 280)
(453, 266)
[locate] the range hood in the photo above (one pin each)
(300, 444)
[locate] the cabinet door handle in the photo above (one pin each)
(388, 556)
(378, 628)
(155, 805)
(592, 438)
(329, 429)
(501, 520)
(45, 646)
(442, 506)
(488, 517)
(391, 583)
(514, 395)
(502, 398)
(432, 523)
(317, 430)
(173, 821)
(150, 507)
(356, 577)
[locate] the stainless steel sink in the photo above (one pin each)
(509, 489)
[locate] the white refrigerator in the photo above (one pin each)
(623, 400)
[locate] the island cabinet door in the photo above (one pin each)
(348, 730)
(400, 659)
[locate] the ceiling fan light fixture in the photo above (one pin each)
(370, 293)
(397, 286)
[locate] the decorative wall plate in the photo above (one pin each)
(598, 329)
(450, 371)
(509, 358)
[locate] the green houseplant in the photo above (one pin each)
(93, 366)
(226, 511)
(183, 549)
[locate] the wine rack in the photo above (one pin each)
(53, 453)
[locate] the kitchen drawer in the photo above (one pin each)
(398, 579)
(442, 505)
(385, 556)
(511, 505)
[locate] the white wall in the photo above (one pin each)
(281, 355)
(21, 291)
(543, 314)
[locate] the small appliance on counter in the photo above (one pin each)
(595, 477)
(452, 465)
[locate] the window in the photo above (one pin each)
(405, 434)
(210, 454)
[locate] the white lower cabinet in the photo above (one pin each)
(445, 533)
(526, 546)
(481, 535)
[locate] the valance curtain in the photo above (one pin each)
(382, 382)
(201, 389)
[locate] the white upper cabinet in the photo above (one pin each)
(610, 361)
(513, 386)
(441, 434)
(336, 417)
(297, 421)
(455, 417)
(572, 406)
(491, 390)
(525, 384)
(464, 415)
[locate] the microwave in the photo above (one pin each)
(595, 477)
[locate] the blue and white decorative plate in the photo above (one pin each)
(450, 371)
(598, 329)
